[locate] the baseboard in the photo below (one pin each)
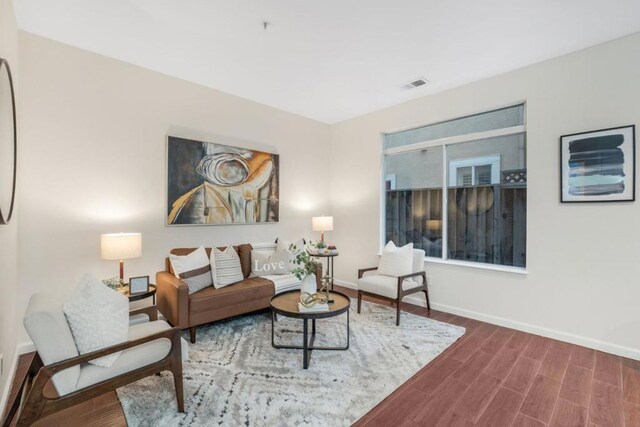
(583, 341)
(22, 348)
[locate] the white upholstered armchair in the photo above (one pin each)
(152, 347)
(391, 288)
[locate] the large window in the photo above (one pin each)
(474, 170)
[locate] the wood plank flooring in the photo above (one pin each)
(493, 376)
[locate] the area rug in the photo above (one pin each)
(235, 377)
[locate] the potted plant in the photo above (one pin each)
(305, 270)
(320, 246)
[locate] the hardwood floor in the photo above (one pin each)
(493, 376)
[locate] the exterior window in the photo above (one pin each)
(473, 170)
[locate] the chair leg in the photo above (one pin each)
(359, 300)
(192, 334)
(426, 294)
(398, 313)
(177, 382)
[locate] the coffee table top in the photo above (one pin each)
(286, 304)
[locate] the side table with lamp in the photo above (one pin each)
(322, 224)
(121, 246)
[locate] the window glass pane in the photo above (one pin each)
(464, 175)
(487, 218)
(497, 119)
(413, 198)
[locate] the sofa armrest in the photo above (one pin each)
(173, 299)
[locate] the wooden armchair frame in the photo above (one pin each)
(38, 405)
(401, 292)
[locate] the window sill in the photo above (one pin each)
(477, 265)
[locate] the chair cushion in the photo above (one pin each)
(385, 286)
(132, 358)
(396, 261)
(47, 327)
(98, 317)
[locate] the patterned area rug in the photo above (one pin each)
(235, 377)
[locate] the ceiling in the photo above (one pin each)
(330, 60)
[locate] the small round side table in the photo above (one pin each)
(329, 257)
(137, 297)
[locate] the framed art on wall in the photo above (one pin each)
(215, 184)
(598, 166)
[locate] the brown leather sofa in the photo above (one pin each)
(210, 304)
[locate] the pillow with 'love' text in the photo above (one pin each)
(275, 264)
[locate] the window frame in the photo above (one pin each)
(444, 142)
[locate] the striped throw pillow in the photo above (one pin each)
(194, 269)
(225, 267)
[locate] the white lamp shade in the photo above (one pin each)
(322, 223)
(121, 245)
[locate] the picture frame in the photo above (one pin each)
(598, 166)
(138, 285)
(210, 183)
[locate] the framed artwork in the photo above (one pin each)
(215, 184)
(598, 166)
(138, 285)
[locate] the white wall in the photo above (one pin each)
(8, 233)
(583, 264)
(93, 161)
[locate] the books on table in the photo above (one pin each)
(315, 309)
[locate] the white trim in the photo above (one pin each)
(513, 130)
(478, 265)
(445, 204)
(595, 344)
(22, 348)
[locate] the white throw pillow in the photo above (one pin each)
(194, 269)
(284, 245)
(226, 266)
(98, 317)
(275, 264)
(396, 261)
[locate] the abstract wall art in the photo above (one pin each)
(215, 184)
(598, 166)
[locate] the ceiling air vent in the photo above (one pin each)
(421, 81)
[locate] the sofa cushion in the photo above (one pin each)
(211, 299)
(276, 263)
(243, 251)
(225, 266)
(98, 317)
(131, 358)
(193, 268)
(47, 327)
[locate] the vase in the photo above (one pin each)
(308, 284)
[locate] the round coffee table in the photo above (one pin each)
(286, 304)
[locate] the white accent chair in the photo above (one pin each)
(394, 288)
(153, 347)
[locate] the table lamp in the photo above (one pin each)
(322, 224)
(121, 246)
